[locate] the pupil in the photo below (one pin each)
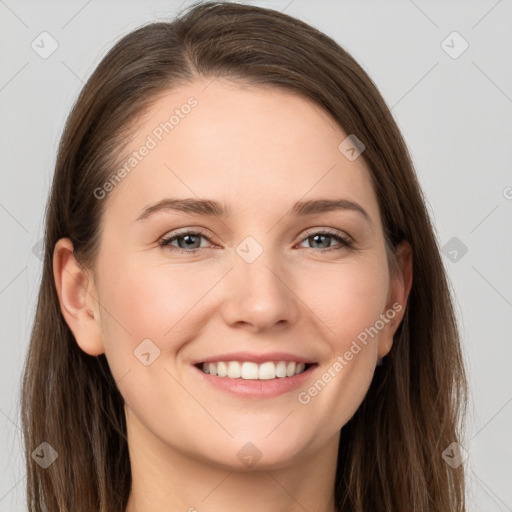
(315, 237)
(187, 240)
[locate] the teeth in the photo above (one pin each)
(281, 369)
(249, 371)
(253, 371)
(234, 370)
(222, 369)
(266, 371)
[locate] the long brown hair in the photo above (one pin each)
(390, 452)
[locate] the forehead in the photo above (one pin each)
(249, 145)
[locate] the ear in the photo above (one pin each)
(77, 297)
(399, 289)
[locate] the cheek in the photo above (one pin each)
(147, 301)
(349, 300)
(348, 297)
(147, 293)
(144, 321)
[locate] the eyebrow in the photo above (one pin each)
(216, 209)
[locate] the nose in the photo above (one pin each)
(259, 296)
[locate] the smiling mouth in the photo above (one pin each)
(252, 371)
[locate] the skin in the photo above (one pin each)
(259, 150)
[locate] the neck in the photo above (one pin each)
(167, 479)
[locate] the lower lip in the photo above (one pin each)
(246, 388)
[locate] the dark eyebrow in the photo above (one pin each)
(216, 209)
(188, 205)
(313, 206)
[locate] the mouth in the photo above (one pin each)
(249, 370)
(255, 376)
(252, 381)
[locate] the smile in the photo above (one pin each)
(253, 371)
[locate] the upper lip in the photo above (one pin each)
(255, 358)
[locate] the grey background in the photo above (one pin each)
(455, 114)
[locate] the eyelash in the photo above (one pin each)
(345, 243)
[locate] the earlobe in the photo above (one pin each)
(75, 289)
(399, 290)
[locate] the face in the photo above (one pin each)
(292, 270)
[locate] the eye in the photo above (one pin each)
(187, 241)
(324, 237)
(190, 241)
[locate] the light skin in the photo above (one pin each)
(258, 151)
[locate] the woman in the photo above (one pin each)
(193, 347)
